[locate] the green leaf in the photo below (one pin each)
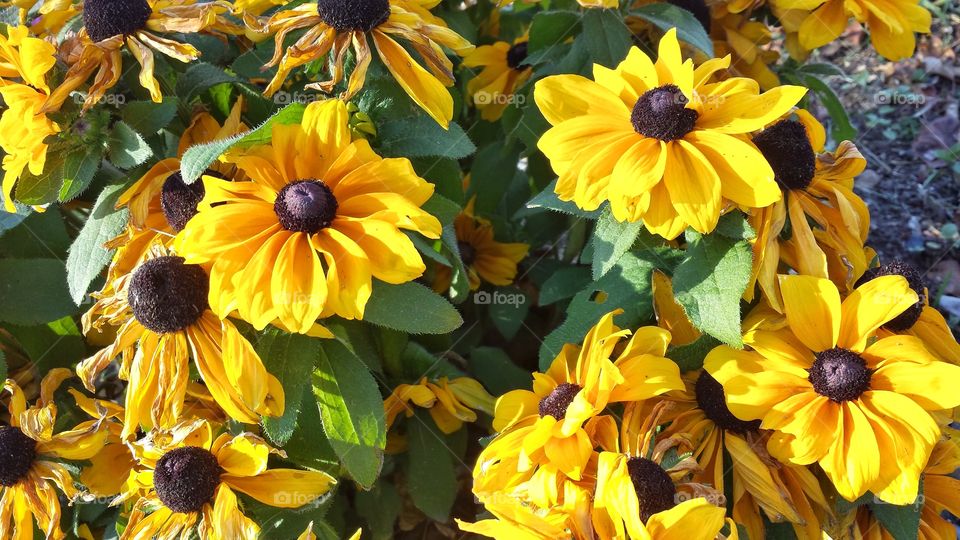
(666, 16)
(352, 411)
(611, 239)
(41, 235)
(88, 256)
(51, 345)
(442, 208)
(841, 128)
(3, 366)
(33, 291)
(492, 171)
(380, 508)
(127, 147)
(734, 226)
(198, 157)
(459, 281)
(563, 284)
(626, 286)
(309, 446)
(198, 78)
(411, 308)
(79, 169)
(68, 171)
(548, 199)
(493, 368)
(431, 477)
(421, 136)
(709, 282)
(148, 117)
(902, 522)
(690, 356)
(290, 358)
(549, 29)
(607, 37)
(508, 309)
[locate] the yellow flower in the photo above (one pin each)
(188, 479)
(140, 25)
(451, 403)
(336, 26)
(24, 63)
(660, 141)
(493, 88)
(30, 472)
(321, 218)
(160, 203)
(828, 222)
(919, 320)
(639, 496)
(784, 492)
(485, 259)
(546, 426)
(834, 395)
(161, 310)
(891, 24)
(744, 40)
(670, 314)
(518, 521)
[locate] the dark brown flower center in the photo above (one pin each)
(655, 489)
(516, 55)
(468, 254)
(305, 206)
(711, 399)
(556, 402)
(840, 375)
(104, 19)
(167, 295)
(17, 453)
(179, 200)
(911, 315)
(353, 15)
(787, 149)
(662, 113)
(186, 478)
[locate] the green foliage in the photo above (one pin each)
(88, 255)
(421, 136)
(33, 291)
(290, 357)
(432, 479)
(411, 308)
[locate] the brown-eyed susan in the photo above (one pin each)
(321, 217)
(486, 260)
(549, 422)
(450, 402)
(141, 27)
(639, 495)
(187, 481)
(337, 26)
(919, 320)
(892, 24)
(828, 222)
(163, 319)
(660, 141)
(502, 74)
(861, 407)
(31, 475)
(24, 64)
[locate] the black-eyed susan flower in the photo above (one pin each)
(24, 64)
(640, 495)
(782, 491)
(892, 24)
(450, 402)
(486, 259)
(337, 26)
(503, 72)
(513, 520)
(827, 222)
(547, 426)
(163, 319)
(187, 481)
(860, 407)
(919, 320)
(746, 42)
(140, 26)
(320, 219)
(660, 141)
(31, 474)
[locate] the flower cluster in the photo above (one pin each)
(277, 269)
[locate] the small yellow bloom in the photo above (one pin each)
(451, 403)
(503, 72)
